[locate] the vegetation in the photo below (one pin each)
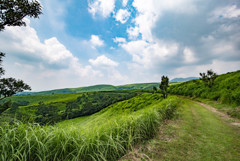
(197, 134)
(163, 86)
(226, 89)
(107, 135)
(208, 78)
(95, 88)
(39, 108)
(12, 12)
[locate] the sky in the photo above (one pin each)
(77, 43)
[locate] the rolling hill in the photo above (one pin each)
(94, 88)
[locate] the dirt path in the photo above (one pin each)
(233, 121)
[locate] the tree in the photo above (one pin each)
(12, 12)
(11, 86)
(154, 89)
(69, 109)
(164, 85)
(47, 114)
(208, 78)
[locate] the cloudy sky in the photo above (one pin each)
(79, 43)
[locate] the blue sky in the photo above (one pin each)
(78, 43)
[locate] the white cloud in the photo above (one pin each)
(150, 55)
(133, 32)
(46, 65)
(96, 41)
(119, 40)
(227, 12)
(124, 3)
(103, 61)
(122, 16)
(149, 12)
(101, 7)
(189, 55)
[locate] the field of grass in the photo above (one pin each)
(197, 134)
(106, 135)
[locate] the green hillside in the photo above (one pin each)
(226, 89)
(106, 135)
(31, 107)
(94, 88)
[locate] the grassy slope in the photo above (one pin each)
(106, 135)
(199, 135)
(60, 100)
(226, 90)
(127, 108)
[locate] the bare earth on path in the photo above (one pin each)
(233, 121)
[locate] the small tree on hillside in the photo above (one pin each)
(164, 85)
(208, 78)
(154, 89)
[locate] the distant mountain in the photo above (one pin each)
(183, 79)
(95, 88)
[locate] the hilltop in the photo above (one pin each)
(94, 88)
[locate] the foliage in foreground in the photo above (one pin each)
(108, 140)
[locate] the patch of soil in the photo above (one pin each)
(234, 121)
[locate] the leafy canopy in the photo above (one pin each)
(12, 12)
(208, 78)
(164, 85)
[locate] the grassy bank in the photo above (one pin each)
(108, 135)
(225, 90)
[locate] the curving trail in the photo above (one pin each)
(233, 121)
(201, 133)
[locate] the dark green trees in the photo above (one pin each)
(154, 89)
(208, 78)
(12, 12)
(11, 86)
(164, 85)
(47, 114)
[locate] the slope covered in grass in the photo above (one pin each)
(106, 135)
(40, 107)
(226, 89)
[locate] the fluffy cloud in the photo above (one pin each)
(133, 32)
(189, 55)
(46, 65)
(122, 15)
(124, 3)
(119, 40)
(227, 12)
(151, 55)
(96, 41)
(101, 7)
(103, 61)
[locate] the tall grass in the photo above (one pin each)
(107, 141)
